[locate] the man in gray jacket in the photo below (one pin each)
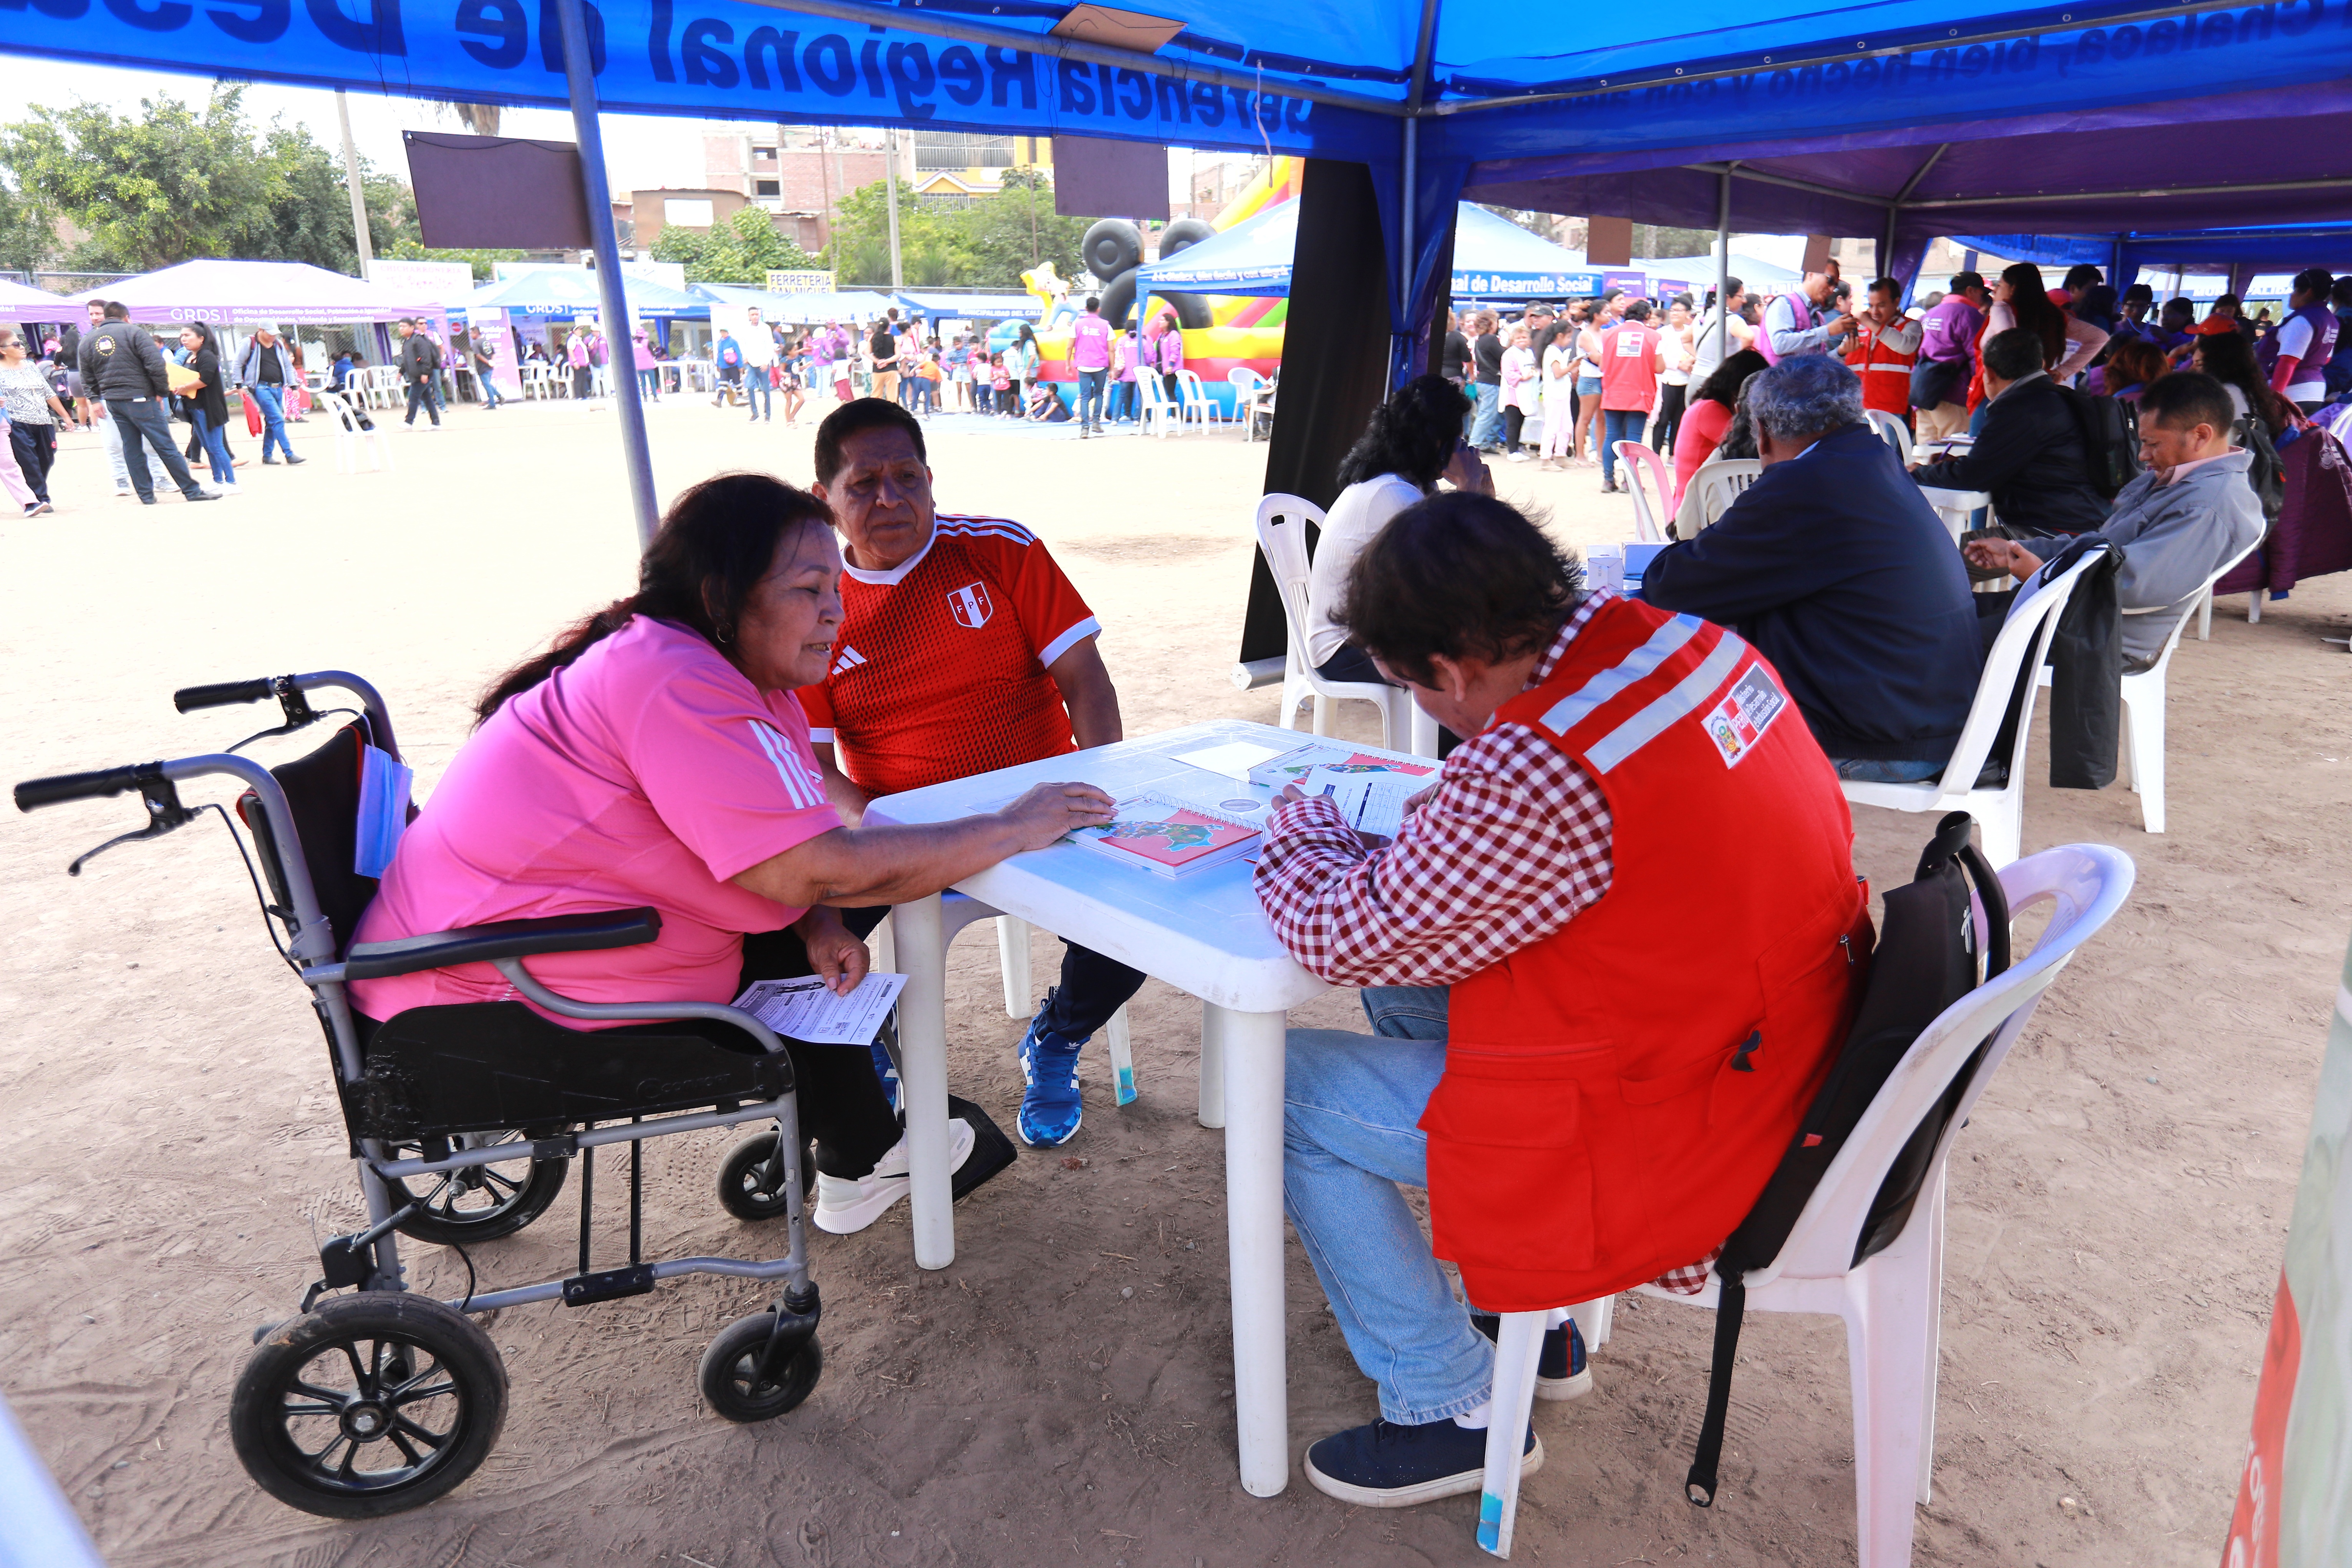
(124, 371)
(2187, 516)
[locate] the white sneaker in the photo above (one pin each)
(220, 490)
(848, 1204)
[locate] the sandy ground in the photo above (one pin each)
(2116, 1208)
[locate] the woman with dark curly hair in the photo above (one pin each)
(1413, 440)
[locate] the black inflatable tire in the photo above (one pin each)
(1191, 310)
(1184, 231)
(1118, 300)
(1111, 247)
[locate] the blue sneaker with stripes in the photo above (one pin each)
(1050, 1109)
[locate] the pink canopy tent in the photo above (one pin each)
(19, 303)
(258, 293)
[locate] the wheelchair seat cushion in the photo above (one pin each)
(480, 1067)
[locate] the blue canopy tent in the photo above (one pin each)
(809, 309)
(563, 292)
(2256, 262)
(1898, 118)
(945, 304)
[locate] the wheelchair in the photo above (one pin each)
(464, 1120)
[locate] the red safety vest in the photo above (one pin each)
(1616, 1096)
(1885, 372)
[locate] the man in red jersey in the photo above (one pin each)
(962, 649)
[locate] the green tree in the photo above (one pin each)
(1015, 229)
(743, 249)
(178, 182)
(986, 245)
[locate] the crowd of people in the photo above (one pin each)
(998, 371)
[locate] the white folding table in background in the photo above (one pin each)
(1204, 934)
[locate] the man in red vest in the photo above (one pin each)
(1885, 346)
(1606, 962)
(1632, 354)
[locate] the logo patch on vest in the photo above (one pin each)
(1747, 710)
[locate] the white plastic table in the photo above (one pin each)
(1204, 934)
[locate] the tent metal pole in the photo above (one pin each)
(1723, 260)
(890, 195)
(359, 234)
(579, 75)
(2149, 195)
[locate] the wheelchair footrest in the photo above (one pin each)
(608, 1285)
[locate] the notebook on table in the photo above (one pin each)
(1168, 837)
(1293, 766)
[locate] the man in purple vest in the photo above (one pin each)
(2296, 355)
(1947, 358)
(1090, 357)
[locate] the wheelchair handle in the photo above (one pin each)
(188, 699)
(35, 792)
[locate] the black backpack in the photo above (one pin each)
(2110, 446)
(1925, 959)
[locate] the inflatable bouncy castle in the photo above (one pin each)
(1221, 332)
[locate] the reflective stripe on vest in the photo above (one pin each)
(1680, 702)
(1573, 708)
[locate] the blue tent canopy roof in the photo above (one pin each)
(566, 290)
(1492, 257)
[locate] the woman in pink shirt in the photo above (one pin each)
(656, 755)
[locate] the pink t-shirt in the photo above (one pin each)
(647, 772)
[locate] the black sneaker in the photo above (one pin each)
(205, 494)
(1388, 1465)
(1561, 1370)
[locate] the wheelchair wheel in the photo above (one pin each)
(370, 1404)
(751, 1182)
(479, 1203)
(730, 1374)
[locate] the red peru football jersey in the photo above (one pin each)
(938, 671)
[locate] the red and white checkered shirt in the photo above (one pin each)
(1515, 839)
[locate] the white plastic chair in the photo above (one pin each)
(1649, 483)
(1200, 408)
(2023, 643)
(2143, 694)
(1712, 490)
(958, 910)
(1253, 395)
(351, 439)
(1282, 533)
(1892, 431)
(1160, 415)
(1891, 1304)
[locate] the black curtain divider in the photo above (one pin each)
(1335, 361)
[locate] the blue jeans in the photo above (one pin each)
(1865, 769)
(919, 395)
(648, 384)
(1351, 1104)
(1090, 396)
(1486, 419)
(216, 444)
(757, 393)
(420, 396)
(271, 400)
(1619, 424)
(142, 423)
(490, 398)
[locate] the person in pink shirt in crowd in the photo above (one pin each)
(656, 755)
(1090, 357)
(1125, 353)
(1164, 351)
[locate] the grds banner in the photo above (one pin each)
(718, 57)
(2294, 1499)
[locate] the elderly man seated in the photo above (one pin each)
(1833, 566)
(2031, 456)
(1588, 1107)
(2188, 515)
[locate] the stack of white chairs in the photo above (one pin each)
(1712, 490)
(1161, 417)
(1648, 482)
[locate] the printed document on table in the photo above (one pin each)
(803, 1009)
(1234, 759)
(1372, 802)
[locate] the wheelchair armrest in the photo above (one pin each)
(501, 939)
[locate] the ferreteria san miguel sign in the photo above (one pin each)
(653, 56)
